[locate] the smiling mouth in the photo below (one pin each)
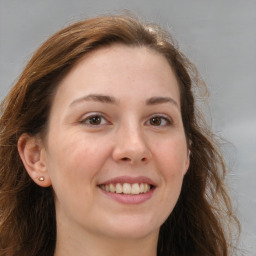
(127, 188)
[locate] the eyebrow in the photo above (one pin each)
(111, 100)
(97, 98)
(160, 100)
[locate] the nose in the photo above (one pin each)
(131, 146)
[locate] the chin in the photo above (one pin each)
(135, 234)
(132, 228)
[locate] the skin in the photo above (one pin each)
(78, 154)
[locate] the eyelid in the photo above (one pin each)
(87, 117)
(165, 117)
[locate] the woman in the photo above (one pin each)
(103, 152)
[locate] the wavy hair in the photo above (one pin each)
(201, 221)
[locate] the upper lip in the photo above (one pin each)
(128, 179)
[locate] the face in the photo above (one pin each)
(116, 151)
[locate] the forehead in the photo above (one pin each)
(122, 55)
(120, 69)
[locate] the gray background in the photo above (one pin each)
(219, 36)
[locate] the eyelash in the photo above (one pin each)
(89, 118)
(162, 118)
(99, 117)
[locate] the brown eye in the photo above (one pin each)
(159, 121)
(155, 121)
(95, 120)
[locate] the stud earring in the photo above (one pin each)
(41, 178)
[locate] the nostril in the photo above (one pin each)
(125, 159)
(144, 159)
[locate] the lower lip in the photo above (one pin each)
(130, 199)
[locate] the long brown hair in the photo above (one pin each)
(200, 221)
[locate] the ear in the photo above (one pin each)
(32, 153)
(187, 162)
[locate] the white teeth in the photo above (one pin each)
(142, 188)
(119, 188)
(112, 188)
(126, 188)
(146, 188)
(135, 189)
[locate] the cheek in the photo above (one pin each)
(76, 157)
(73, 166)
(172, 156)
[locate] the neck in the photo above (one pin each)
(94, 245)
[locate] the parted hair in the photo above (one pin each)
(202, 219)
